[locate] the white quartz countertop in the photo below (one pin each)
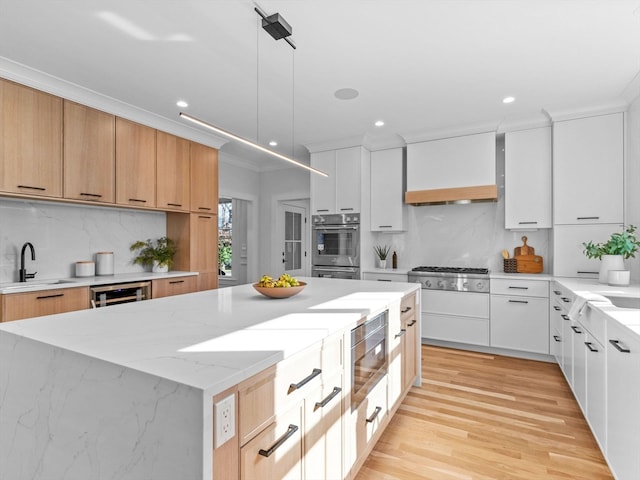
(214, 339)
(522, 276)
(35, 285)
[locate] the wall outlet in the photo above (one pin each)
(225, 420)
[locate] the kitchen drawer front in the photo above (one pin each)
(455, 303)
(385, 277)
(594, 322)
(367, 419)
(167, 287)
(17, 306)
(528, 288)
(561, 296)
(456, 329)
(408, 307)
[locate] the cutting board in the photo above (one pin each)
(524, 249)
(529, 264)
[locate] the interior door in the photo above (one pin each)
(294, 239)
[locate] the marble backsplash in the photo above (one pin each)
(63, 234)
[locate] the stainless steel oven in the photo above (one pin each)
(336, 244)
(368, 356)
(107, 295)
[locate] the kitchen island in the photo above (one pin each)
(126, 392)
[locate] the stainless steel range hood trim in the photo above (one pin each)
(458, 195)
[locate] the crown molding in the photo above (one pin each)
(632, 91)
(355, 141)
(526, 123)
(449, 132)
(560, 115)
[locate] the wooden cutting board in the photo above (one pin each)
(529, 264)
(524, 249)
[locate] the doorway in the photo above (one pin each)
(293, 237)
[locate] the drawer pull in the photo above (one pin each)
(174, 204)
(92, 195)
(587, 218)
(137, 200)
(586, 272)
(331, 396)
(383, 280)
(204, 208)
(373, 416)
(413, 322)
(295, 386)
(400, 333)
(576, 329)
(520, 288)
(556, 308)
(565, 317)
(527, 223)
(203, 216)
(385, 226)
(566, 300)
(350, 209)
(322, 210)
(405, 310)
(620, 348)
(290, 431)
(40, 189)
(557, 338)
(518, 301)
(56, 295)
(175, 282)
(557, 292)
(591, 347)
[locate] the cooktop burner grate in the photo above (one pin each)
(468, 270)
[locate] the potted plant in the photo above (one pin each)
(381, 252)
(612, 253)
(159, 254)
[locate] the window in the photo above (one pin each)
(225, 236)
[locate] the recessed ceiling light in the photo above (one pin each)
(379, 123)
(508, 99)
(273, 143)
(182, 104)
(346, 93)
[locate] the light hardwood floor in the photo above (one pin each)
(480, 416)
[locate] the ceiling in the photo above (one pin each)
(419, 65)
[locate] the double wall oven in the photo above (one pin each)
(336, 246)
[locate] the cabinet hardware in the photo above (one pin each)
(413, 322)
(591, 347)
(174, 204)
(565, 317)
(620, 348)
(290, 431)
(557, 292)
(585, 272)
(203, 216)
(345, 210)
(527, 223)
(137, 200)
(40, 189)
(56, 295)
(518, 301)
(385, 226)
(576, 329)
(322, 210)
(304, 381)
(176, 281)
(92, 195)
(374, 414)
(556, 308)
(331, 396)
(204, 208)
(557, 338)
(400, 333)
(566, 300)
(519, 288)
(383, 280)
(406, 310)
(587, 218)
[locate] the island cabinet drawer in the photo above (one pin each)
(167, 287)
(271, 391)
(408, 307)
(17, 306)
(366, 421)
(527, 288)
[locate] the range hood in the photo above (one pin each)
(452, 170)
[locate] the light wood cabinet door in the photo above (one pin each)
(30, 141)
(17, 306)
(204, 242)
(173, 169)
(167, 287)
(408, 316)
(204, 179)
(89, 154)
(135, 164)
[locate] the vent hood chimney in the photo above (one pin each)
(452, 170)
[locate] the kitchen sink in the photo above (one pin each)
(25, 285)
(624, 302)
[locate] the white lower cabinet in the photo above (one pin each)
(623, 399)
(461, 317)
(596, 388)
(579, 362)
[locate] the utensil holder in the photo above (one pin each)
(510, 265)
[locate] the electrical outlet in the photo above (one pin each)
(225, 419)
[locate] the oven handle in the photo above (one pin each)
(335, 269)
(335, 227)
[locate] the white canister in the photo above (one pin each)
(85, 269)
(104, 263)
(619, 278)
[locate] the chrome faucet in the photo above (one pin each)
(23, 272)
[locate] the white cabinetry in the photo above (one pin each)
(588, 170)
(528, 179)
(520, 315)
(387, 190)
(623, 398)
(341, 191)
(389, 276)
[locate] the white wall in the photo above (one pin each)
(632, 187)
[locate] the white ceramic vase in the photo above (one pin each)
(157, 268)
(382, 263)
(609, 262)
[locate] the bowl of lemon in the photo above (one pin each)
(283, 287)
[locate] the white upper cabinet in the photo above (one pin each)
(569, 259)
(387, 203)
(341, 191)
(588, 164)
(528, 179)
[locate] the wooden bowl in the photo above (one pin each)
(279, 292)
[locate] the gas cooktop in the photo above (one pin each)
(458, 279)
(463, 270)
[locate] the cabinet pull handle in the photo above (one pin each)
(557, 338)
(56, 295)
(346, 209)
(374, 414)
(385, 226)
(322, 210)
(331, 396)
(290, 431)
(519, 288)
(413, 322)
(518, 301)
(620, 348)
(576, 329)
(587, 218)
(401, 333)
(304, 381)
(556, 308)
(92, 195)
(203, 216)
(383, 280)
(29, 187)
(557, 292)
(174, 204)
(405, 310)
(565, 317)
(137, 200)
(591, 347)
(176, 281)
(527, 223)
(204, 208)
(586, 272)
(566, 300)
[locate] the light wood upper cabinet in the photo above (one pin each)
(30, 141)
(89, 154)
(172, 172)
(204, 179)
(135, 164)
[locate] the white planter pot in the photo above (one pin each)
(609, 262)
(382, 263)
(157, 268)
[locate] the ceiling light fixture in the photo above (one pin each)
(508, 99)
(182, 104)
(379, 123)
(249, 143)
(273, 143)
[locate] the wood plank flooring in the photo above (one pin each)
(479, 416)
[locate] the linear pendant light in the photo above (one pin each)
(250, 143)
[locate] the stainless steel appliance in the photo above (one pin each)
(368, 356)
(336, 246)
(455, 303)
(107, 295)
